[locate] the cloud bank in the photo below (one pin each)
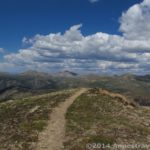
(100, 52)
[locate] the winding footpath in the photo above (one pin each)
(52, 137)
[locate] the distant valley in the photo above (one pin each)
(14, 86)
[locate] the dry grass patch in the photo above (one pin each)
(98, 117)
(22, 120)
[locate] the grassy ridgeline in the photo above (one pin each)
(96, 117)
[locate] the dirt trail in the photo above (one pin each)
(53, 136)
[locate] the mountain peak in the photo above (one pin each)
(66, 73)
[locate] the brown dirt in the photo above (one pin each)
(53, 136)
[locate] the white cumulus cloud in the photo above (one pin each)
(99, 52)
(135, 22)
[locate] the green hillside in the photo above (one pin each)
(102, 118)
(21, 120)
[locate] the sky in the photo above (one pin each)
(87, 36)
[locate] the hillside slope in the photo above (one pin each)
(97, 116)
(21, 120)
(104, 118)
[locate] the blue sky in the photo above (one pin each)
(80, 35)
(25, 18)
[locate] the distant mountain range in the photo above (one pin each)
(32, 82)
